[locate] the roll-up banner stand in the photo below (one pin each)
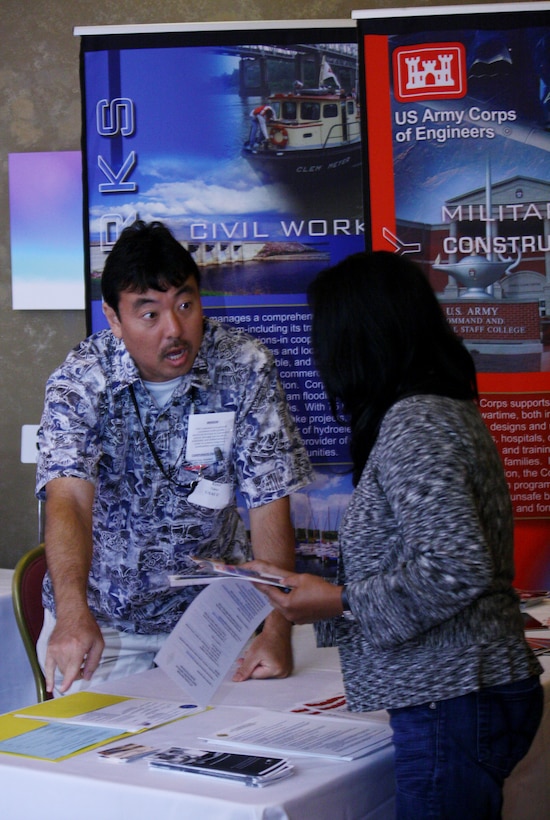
(457, 176)
(175, 129)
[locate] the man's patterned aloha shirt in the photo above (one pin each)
(144, 527)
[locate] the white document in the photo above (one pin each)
(55, 741)
(332, 737)
(210, 635)
(130, 715)
(209, 436)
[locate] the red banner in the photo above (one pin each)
(457, 177)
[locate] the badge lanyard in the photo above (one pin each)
(167, 473)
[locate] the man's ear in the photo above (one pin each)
(114, 321)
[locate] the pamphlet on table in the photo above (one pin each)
(331, 737)
(62, 727)
(250, 770)
(127, 715)
(42, 736)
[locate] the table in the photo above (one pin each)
(16, 681)
(88, 788)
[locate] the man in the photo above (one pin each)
(148, 428)
(261, 116)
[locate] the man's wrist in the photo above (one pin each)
(276, 622)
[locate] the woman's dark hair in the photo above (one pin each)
(145, 256)
(378, 335)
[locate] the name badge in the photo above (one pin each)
(211, 494)
(209, 437)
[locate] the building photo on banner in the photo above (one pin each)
(255, 166)
(457, 177)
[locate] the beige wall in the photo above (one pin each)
(40, 111)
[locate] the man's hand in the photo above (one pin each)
(272, 537)
(76, 643)
(75, 648)
(270, 653)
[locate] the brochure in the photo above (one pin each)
(127, 715)
(53, 741)
(251, 770)
(126, 753)
(207, 570)
(540, 646)
(331, 737)
(335, 704)
(531, 597)
(42, 736)
(532, 623)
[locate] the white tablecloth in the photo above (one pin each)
(89, 788)
(16, 681)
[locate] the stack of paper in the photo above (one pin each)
(332, 737)
(251, 770)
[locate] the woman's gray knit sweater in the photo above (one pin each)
(427, 556)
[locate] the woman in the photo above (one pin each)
(435, 634)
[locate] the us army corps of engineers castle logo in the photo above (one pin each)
(429, 72)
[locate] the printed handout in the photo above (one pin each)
(128, 715)
(210, 635)
(250, 770)
(331, 737)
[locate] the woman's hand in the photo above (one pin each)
(310, 597)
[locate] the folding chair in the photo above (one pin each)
(29, 612)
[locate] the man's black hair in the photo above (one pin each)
(146, 256)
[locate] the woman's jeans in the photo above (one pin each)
(452, 757)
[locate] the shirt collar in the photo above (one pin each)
(124, 371)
